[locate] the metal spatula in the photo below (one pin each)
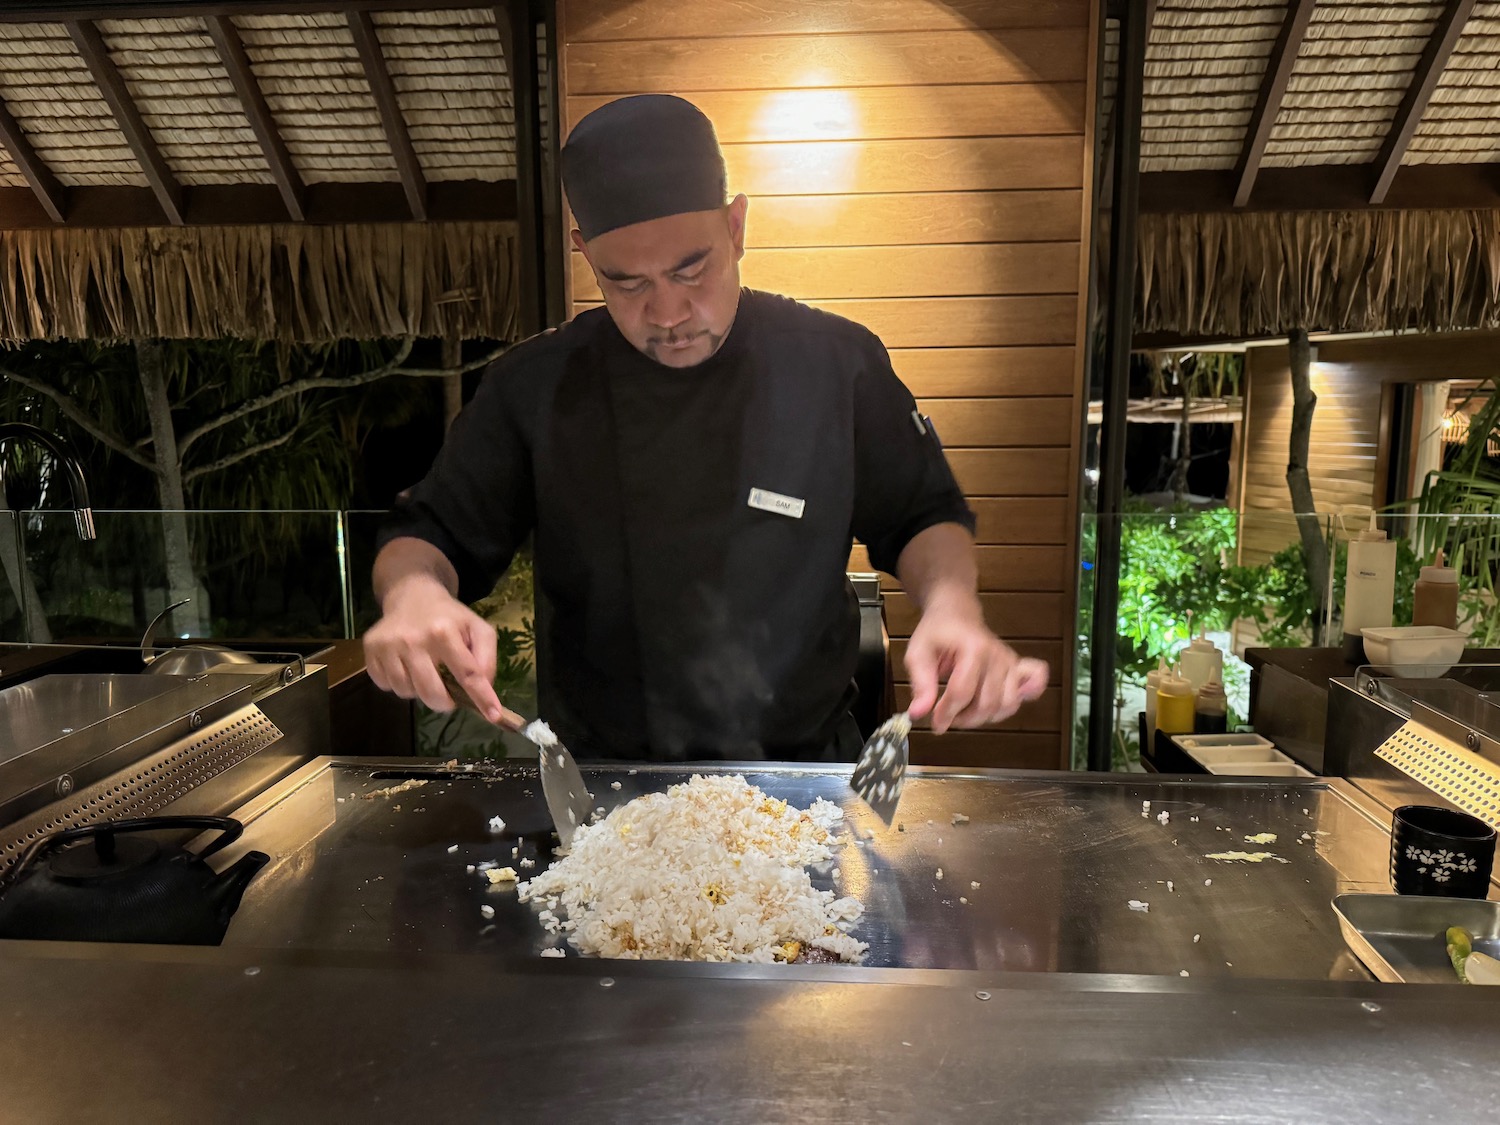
(881, 770)
(569, 801)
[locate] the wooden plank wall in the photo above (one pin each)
(918, 166)
(1341, 456)
(1347, 442)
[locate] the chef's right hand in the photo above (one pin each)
(423, 627)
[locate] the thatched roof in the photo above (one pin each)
(372, 146)
(290, 282)
(447, 66)
(1261, 273)
(1319, 164)
(1352, 67)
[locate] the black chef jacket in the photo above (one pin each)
(692, 526)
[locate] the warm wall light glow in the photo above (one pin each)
(808, 115)
(815, 115)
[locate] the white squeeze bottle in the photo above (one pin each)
(1369, 581)
(1201, 661)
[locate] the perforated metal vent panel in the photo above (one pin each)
(151, 784)
(1449, 769)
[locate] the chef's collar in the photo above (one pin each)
(641, 158)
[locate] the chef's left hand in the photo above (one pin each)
(986, 682)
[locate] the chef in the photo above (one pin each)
(692, 461)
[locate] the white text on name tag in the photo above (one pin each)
(775, 502)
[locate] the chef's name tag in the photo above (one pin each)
(776, 502)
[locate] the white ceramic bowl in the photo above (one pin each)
(1418, 651)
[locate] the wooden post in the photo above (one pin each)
(1119, 333)
(453, 385)
(1184, 440)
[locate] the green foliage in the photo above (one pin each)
(509, 608)
(1173, 564)
(1217, 374)
(1467, 493)
(1285, 585)
(1213, 375)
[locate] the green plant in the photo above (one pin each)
(1175, 579)
(508, 607)
(1458, 512)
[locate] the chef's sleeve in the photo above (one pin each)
(903, 484)
(477, 504)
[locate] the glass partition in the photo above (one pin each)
(359, 531)
(251, 577)
(16, 592)
(1248, 583)
(248, 575)
(261, 575)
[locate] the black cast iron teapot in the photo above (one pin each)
(105, 882)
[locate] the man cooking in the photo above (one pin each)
(692, 461)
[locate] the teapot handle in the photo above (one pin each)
(230, 831)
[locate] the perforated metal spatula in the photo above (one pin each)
(881, 770)
(568, 798)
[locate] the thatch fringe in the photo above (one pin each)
(290, 283)
(1255, 274)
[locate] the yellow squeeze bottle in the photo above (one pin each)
(1174, 704)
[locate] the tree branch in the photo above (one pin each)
(324, 383)
(236, 457)
(74, 413)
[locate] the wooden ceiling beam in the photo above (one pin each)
(1279, 66)
(1330, 187)
(111, 83)
(1430, 67)
(413, 182)
(284, 172)
(44, 185)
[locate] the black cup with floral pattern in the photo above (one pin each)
(1437, 851)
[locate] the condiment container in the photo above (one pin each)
(1369, 581)
(1211, 709)
(1201, 661)
(1435, 596)
(1153, 681)
(1174, 704)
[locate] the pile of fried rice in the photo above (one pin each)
(710, 870)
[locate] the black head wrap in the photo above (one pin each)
(641, 158)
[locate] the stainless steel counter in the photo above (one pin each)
(359, 982)
(1058, 861)
(266, 1036)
